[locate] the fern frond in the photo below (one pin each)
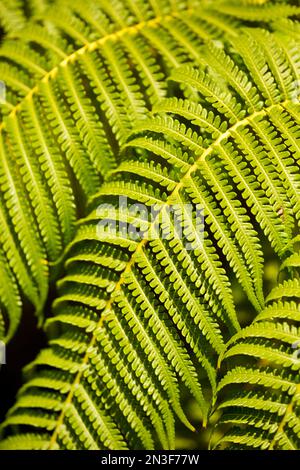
(140, 318)
(265, 356)
(262, 9)
(12, 15)
(79, 76)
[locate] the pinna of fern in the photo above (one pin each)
(78, 76)
(261, 384)
(14, 14)
(139, 319)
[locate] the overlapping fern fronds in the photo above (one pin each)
(138, 320)
(78, 76)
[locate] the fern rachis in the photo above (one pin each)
(139, 324)
(74, 90)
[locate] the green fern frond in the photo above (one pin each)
(264, 358)
(79, 76)
(12, 16)
(140, 319)
(250, 10)
(15, 14)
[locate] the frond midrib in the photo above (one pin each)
(130, 263)
(90, 47)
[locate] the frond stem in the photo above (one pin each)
(90, 47)
(139, 248)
